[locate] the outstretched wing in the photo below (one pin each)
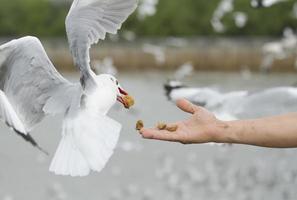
(90, 20)
(29, 83)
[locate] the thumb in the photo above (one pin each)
(186, 106)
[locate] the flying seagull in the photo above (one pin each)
(31, 88)
(240, 104)
(265, 3)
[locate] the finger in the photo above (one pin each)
(186, 106)
(160, 135)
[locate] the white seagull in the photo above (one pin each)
(31, 88)
(239, 104)
(265, 3)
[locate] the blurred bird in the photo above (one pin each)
(32, 88)
(156, 51)
(240, 19)
(224, 7)
(265, 3)
(106, 66)
(147, 8)
(183, 71)
(278, 50)
(237, 104)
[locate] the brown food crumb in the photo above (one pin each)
(128, 101)
(139, 125)
(171, 128)
(161, 126)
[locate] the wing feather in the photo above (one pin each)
(9, 116)
(30, 86)
(88, 21)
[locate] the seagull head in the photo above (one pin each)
(113, 84)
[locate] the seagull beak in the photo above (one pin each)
(120, 98)
(122, 91)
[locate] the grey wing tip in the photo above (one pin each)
(42, 150)
(31, 140)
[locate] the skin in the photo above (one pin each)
(202, 126)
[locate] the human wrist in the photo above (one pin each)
(226, 132)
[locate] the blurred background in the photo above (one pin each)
(238, 58)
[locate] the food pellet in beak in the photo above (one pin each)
(171, 128)
(139, 125)
(128, 101)
(161, 126)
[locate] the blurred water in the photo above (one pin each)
(148, 170)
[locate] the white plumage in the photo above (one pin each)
(86, 144)
(31, 88)
(237, 104)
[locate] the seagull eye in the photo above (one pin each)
(117, 82)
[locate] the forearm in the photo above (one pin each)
(278, 131)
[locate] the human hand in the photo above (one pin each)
(201, 127)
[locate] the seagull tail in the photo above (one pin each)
(88, 142)
(68, 160)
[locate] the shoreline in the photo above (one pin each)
(205, 54)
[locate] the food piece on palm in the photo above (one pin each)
(161, 126)
(139, 125)
(171, 128)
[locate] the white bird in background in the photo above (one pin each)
(183, 71)
(105, 66)
(278, 50)
(32, 88)
(237, 104)
(240, 19)
(147, 8)
(224, 7)
(265, 3)
(157, 51)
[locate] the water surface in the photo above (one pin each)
(143, 169)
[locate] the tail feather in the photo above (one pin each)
(98, 139)
(68, 160)
(87, 144)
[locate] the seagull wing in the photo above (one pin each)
(272, 101)
(9, 116)
(30, 86)
(87, 22)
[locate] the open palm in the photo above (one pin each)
(199, 128)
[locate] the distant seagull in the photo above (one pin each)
(224, 7)
(105, 66)
(278, 50)
(265, 3)
(147, 8)
(156, 51)
(184, 71)
(32, 88)
(237, 104)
